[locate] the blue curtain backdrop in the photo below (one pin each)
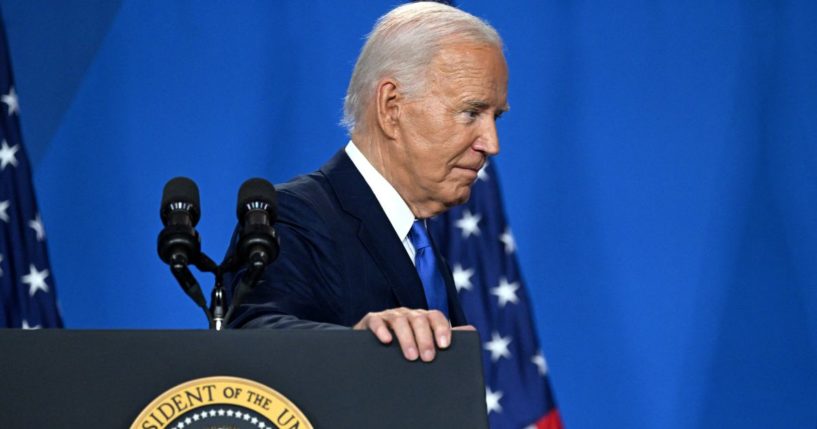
(659, 165)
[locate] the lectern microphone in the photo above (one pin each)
(257, 212)
(258, 243)
(179, 241)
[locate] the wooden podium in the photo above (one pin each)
(337, 379)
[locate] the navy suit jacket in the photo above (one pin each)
(340, 257)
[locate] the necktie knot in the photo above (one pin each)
(419, 235)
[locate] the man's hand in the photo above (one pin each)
(417, 331)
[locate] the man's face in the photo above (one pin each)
(446, 134)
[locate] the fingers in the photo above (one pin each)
(405, 336)
(464, 328)
(419, 332)
(378, 326)
(423, 336)
(441, 327)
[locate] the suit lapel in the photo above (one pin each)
(375, 231)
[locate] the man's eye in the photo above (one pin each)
(472, 114)
(498, 115)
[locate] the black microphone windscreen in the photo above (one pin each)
(253, 191)
(181, 190)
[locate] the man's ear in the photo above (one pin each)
(388, 100)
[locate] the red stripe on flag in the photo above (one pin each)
(550, 421)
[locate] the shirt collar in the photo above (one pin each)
(397, 211)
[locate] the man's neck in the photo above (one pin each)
(379, 153)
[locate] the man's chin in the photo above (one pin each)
(462, 198)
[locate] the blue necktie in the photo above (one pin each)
(426, 263)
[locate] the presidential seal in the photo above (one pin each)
(221, 403)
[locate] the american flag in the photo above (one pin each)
(27, 296)
(478, 245)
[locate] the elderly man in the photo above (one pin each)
(421, 110)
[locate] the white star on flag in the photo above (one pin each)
(35, 280)
(11, 100)
(506, 292)
(539, 360)
(498, 346)
(462, 278)
(507, 239)
(26, 326)
(7, 155)
(492, 400)
(4, 205)
(469, 223)
(482, 174)
(37, 225)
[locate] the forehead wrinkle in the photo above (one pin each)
(459, 58)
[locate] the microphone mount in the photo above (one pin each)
(179, 244)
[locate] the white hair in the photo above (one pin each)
(402, 44)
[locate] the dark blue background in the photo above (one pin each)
(659, 165)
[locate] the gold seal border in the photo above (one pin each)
(222, 380)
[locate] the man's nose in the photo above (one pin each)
(489, 138)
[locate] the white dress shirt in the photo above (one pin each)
(398, 212)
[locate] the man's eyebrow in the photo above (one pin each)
(482, 105)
